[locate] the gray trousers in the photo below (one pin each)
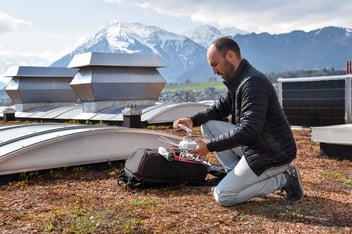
(241, 183)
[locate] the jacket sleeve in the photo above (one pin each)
(220, 110)
(252, 99)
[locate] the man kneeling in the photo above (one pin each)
(257, 147)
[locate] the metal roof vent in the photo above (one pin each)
(108, 80)
(32, 87)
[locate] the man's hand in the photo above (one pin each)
(185, 121)
(201, 149)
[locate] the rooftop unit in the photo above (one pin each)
(97, 87)
(32, 87)
(106, 80)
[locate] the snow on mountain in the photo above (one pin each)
(205, 34)
(328, 47)
(11, 60)
(348, 32)
(185, 55)
(8, 60)
(232, 31)
(178, 52)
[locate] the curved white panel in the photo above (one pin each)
(45, 146)
(169, 113)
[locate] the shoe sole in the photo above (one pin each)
(298, 175)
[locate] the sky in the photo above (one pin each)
(52, 28)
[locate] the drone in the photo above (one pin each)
(182, 148)
(180, 151)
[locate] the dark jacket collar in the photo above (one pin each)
(240, 73)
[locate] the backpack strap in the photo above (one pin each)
(122, 178)
(125, 181)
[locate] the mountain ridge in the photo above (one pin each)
(185, 55)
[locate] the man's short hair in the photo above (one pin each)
(224, 44)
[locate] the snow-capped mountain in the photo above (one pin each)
(178, 52)
(11, 60)
(205, 34)
(185, 55)
(8, 60)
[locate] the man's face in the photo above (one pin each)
(219, 64)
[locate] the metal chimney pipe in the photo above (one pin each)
(132, 116)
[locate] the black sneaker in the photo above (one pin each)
(293, 187)
(217, 170)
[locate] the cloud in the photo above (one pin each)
(9, 23)
(274, 16)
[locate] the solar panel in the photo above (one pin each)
(314, 102)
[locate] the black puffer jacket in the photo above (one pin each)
(261, 129)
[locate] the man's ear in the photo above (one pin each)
(230, 55)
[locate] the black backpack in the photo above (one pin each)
(147, 168)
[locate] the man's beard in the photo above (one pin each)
(229, 70)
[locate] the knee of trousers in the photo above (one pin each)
(205, 127)
(208, 124)
(224, 198)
